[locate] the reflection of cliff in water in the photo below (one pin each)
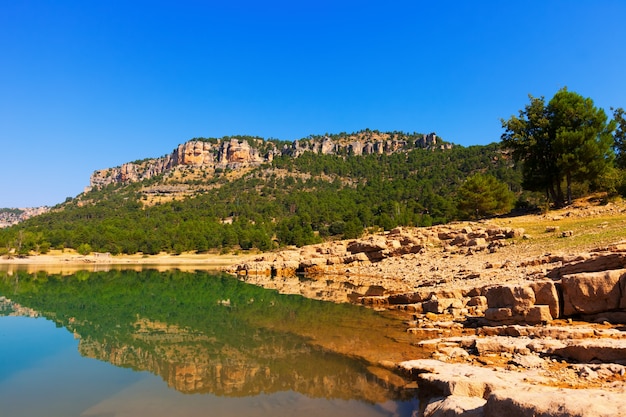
(215, 334)
(279, 365)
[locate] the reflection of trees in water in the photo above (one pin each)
(213, 333)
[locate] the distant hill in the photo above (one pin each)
(12, 216)
(247, 192)
(242, 152)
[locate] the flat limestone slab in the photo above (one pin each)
(507, 393)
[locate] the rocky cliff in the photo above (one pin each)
(13, 216)
(236, 153)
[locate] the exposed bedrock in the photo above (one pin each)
(459, 390)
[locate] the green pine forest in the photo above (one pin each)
(292, 201)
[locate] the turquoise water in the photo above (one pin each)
(127, 343)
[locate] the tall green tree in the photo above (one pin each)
(568, 140)
(619, 145)
(482, 196)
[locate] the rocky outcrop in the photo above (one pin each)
(566, 290)
(612, 258)
(594, 292)
(236, 153)
(533, 303)
(332, 257)
(599, 296)
(13, 216)
(465, 390)
(220, 154)
(527, 372)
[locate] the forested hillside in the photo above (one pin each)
(288, 201)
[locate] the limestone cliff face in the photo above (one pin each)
(233, 153)
(10, 217)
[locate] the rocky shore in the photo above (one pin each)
(506, 327)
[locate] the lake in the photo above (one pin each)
(149, 343)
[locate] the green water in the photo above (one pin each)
(128, 343)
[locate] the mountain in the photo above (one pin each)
(246, 192)
(12, 216)
(239, 152)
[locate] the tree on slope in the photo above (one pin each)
(568, 140)
(483, 195)
(620, 137)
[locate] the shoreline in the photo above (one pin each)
(69, 262)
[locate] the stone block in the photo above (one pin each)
(538, 314)
(441, 305)
(547, 294)
(454, 406)
(518, 298)
(478, 301)
(410, 298)
(479, 242)
(554, 402)
(498, 314)
(592, 292)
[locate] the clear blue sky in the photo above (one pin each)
(86, 85)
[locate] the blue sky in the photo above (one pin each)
(86, 85)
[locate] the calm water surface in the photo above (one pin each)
(128, 343)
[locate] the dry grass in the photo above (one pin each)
(592, 226)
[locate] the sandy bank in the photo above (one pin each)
(70, 261)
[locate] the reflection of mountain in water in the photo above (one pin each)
(208, 333)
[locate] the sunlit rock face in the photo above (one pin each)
(193, 153)
(234, 153)
(128, 173)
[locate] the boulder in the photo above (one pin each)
(498, 314)
(602, 350)
(357, 257)
(593, 292)
(528, 361)
(500, 344)
(478, 241)
(369, 245)
(457, 293)
(519, 298)
(478, 301)
(533, 401)
(312, 262)
(373, 300)
(546, 294)
(598, 262)
(455, 406)
(538, 314)
(446, 234)
(410, 298)
(441, 305)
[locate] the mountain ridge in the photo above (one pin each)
(237, 152)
